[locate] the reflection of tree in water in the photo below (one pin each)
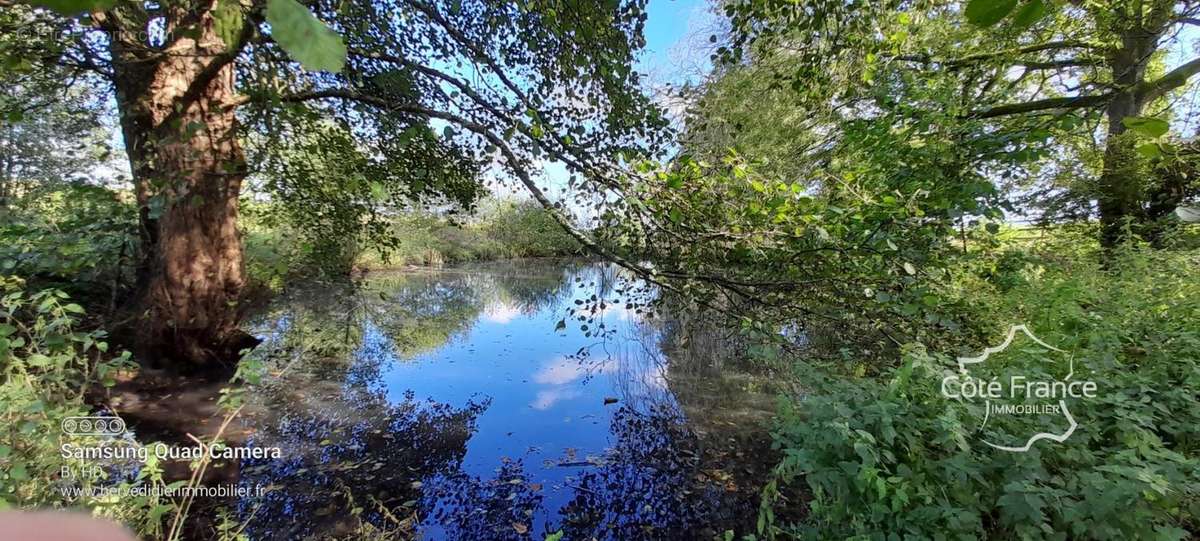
(417, 312)
(712, 377)
(322, 321)
(345, 445)
(469, 508)
(421, 312)
(534, 290)
(651, 486)
(349, 442)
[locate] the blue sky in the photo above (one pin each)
(668, 24)
(675, 36)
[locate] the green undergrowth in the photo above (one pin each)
(890, 457)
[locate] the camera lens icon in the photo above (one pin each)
(93, 426)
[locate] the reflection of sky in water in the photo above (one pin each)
(546, 405)
(532, 441)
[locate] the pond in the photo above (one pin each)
(501, 401)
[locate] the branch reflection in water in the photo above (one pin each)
(502, 402)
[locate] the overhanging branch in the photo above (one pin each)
(1026, 50)
(741, 288)
(1070, 102)
(1172, 80)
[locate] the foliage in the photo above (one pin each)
(892, 456)
(338, 197)
(305, 37)
(48, 366)
(78, 237)
(517, 229)
(1028, 99)
(862, 254)
(501, 229)
(498, 229)
(46, 144)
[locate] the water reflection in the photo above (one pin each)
(500, 403)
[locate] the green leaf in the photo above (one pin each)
(1030, 13)
(988, 12)
(1149, 150)
(304, 37)
(379, 191)
(38, 360)
(228, 21)
(73, 7)
(1147, 126)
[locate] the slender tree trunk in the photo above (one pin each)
(181, 135)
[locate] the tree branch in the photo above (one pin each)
(1176, 78)
(515, 164)
(1071, 102)
(983, 57)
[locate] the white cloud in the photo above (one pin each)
(501, 313)
(547, 398)
(561, 371)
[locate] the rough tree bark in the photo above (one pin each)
(177, 110)
(1119, 194)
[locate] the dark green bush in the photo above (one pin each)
(891, 458)
(78, 237)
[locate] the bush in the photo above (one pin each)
(501, 229)
(47, 366)
(892, 458)
(77, 237)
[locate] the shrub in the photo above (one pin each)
(891, 458)
(47, 364)
(77, 237)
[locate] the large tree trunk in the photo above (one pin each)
(177, 115)
(1120, 194)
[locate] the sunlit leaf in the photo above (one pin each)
(228, 21)
(304, 37)
(1147, 126)
(1149, 150)
(1029, 13)
(988, 12)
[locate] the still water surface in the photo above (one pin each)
(507, 401)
